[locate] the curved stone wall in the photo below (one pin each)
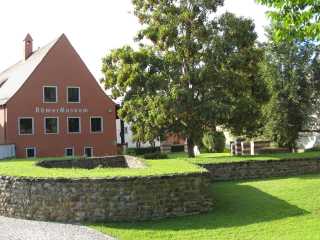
(116, 199)
(121, 161)
(262, 169)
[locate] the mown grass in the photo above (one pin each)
(286, 209)
(27, 168)
(177, 163)
(206, 158)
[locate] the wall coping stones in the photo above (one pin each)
(106, 179)
(117, 161)
(260, 161)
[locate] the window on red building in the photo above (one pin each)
(51, 125)
(74, 125)
(73, 94)
(25, 126)
(96, 124)
(50, 94)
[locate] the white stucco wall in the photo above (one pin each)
(309, 140)
(128, 137)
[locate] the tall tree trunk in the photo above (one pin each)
(190, 145)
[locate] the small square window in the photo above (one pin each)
(68, 152)
(73, 94)
(96, 124)
(26, 126)
(74, 125)
(88, 151)
(31, 152)
(50, 94)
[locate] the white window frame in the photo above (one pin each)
(79, 125)
(101, 124)
(25, 134)
(84, 150)
(43, 97)
(68, 94)
(34, 149)
(45, 127)
(65, 151)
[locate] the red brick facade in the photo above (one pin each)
(61, 68)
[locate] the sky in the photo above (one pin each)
(94, 27)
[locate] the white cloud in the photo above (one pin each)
(93, 27)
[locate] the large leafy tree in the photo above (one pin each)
(191, 72)
(290, 72)
(300, 19)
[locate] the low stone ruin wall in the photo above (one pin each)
(115, 199)
(262, 169)
(94, 162)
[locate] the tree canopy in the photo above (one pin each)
(191, 72)
(298, 19)
(290, 71)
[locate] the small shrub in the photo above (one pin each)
(219, 142)
(226, 150)
(214, 142)
(207, 141)
(141, 151)
(130, 151)
(156, 155)
(177, 148)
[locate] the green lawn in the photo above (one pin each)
(27, 168)
(177, 163)
(225, 157)
(286, 209)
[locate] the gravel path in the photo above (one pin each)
(16, 229)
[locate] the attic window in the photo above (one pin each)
(3, 82)
(73, 95)
(50, 94)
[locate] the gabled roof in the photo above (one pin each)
(14, 77)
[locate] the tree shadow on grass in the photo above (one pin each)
(235, 205)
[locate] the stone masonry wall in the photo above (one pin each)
(94, 162)
(116, 199)
(262, 169)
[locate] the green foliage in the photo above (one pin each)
(288, 70)
(295, 19)
(142, 151)
(197, 72)
(219, 142)
(214, 142)
(207, 141)
(156, 155)
(177, 148)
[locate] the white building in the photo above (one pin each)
(128, 136)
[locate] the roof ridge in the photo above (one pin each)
(18, 73)
(35, 52)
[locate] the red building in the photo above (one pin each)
(51, 105)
